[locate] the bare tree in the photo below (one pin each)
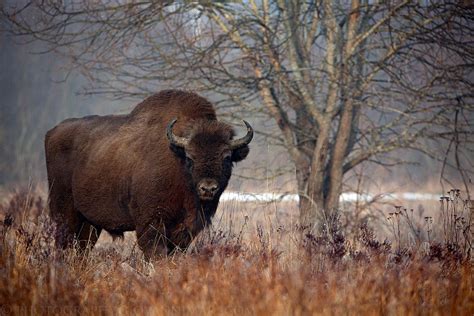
(346, 82)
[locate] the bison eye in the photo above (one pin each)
(228, 155)
(189, 162)
(227, 159)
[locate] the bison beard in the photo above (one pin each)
(159, 170)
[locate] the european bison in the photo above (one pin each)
(159, 170)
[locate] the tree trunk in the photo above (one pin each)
(312, 203)
(312, 188)
(302, 176)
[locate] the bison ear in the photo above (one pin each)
(178, 150)
(240, 153)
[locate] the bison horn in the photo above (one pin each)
(175, 140)
(238, 143)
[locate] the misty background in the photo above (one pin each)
(38, 91)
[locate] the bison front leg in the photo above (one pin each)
(180, 238)
(152, 240)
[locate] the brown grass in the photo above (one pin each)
(253, 261)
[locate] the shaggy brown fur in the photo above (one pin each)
(120, 173)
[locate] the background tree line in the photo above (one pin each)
(344, 83)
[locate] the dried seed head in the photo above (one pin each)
(8, 220)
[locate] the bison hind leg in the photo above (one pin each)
(64, 233)
(73, 229)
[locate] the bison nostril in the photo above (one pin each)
(208, 187)
(212, 188)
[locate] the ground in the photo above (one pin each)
(254, 260)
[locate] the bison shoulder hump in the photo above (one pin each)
(188, 103)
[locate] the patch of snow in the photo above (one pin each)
(345, 197)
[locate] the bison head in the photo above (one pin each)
(208, 152)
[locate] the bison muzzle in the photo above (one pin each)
(159, 170)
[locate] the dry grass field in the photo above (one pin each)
(253, 261)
